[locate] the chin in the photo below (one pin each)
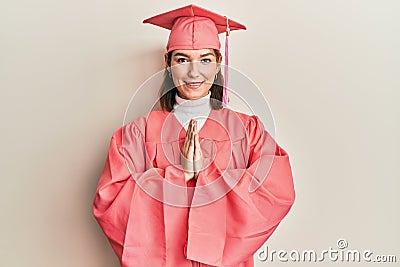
(191, 94)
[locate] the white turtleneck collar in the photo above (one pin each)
(198, 109)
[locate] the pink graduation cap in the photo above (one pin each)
(193, 27)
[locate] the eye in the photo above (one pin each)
(206, 60)
(181, 60)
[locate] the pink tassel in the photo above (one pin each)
(226, 67)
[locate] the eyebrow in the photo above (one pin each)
(208, 54)
(184, 55)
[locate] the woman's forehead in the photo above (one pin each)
(194, 52)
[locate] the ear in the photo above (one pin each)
(166, 60)
(220, 59)
(219, 63)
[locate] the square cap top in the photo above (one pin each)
(193, 27)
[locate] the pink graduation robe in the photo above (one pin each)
(153, 218)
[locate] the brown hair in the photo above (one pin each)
(168, 90)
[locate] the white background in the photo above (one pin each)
(329, 69)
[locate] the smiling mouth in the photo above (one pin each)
(193, 85)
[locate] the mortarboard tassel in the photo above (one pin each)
(226, 67)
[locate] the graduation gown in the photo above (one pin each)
(152, 217)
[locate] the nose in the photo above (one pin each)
(193, 71)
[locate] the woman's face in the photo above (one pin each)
(193, 71)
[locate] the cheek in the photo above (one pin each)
(211, 76)
(179, 72)
(178, 75)
(209, 72)
(207, 87)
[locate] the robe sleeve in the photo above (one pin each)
(230, 230)
(118, 183)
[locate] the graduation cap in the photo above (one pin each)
(193, 27)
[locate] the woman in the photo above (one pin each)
(193, 184)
